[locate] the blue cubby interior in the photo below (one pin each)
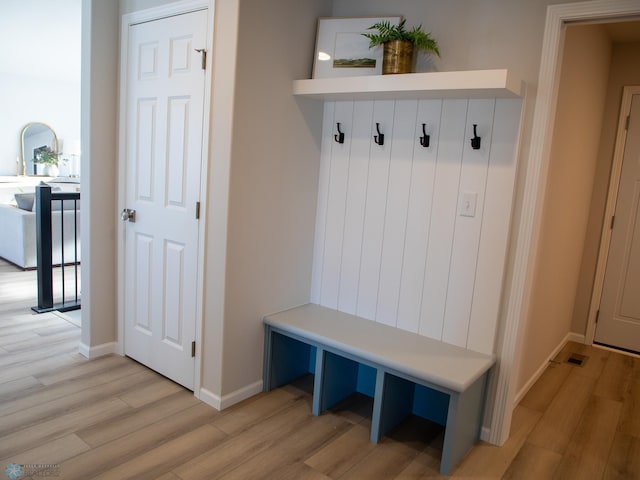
(291, 359)
(430, 404)
(344, 377)
(403, 397)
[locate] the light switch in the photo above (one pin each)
(468, 204)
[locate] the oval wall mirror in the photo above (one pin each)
(36, 139)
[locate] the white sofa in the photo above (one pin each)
(18, 234)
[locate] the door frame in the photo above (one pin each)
(610, 208)
(527, 233)
(157, 13)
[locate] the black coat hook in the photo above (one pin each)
(475, 141)
(424, 139)
(339, 137)
(379, 139)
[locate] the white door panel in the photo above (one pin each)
(165, 99)
(619, 319)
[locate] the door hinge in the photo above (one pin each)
(597, 316)
(197, 210)
(193, 349)
(203, 57)
(613, 220)
(626, 126)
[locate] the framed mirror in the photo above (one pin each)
(37, 139)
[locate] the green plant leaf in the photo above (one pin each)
(387, 32)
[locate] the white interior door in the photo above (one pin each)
(619, 320)
(165, 96)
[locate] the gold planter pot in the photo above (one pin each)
(397, 57)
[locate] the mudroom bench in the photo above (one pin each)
(404, 372)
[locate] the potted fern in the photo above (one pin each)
(399, 45)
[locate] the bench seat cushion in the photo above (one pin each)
(424, 358)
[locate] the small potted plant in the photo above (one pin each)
(400, 44)
(47, 157)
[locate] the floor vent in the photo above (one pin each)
(577, 359)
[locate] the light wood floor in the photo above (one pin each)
(111, 418)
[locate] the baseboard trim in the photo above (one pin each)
(226, 401)
(97, 350)
(576, 337)
(570, 337)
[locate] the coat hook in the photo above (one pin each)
(424, 139)
(475, 141)
(339, 137)
(379, 139)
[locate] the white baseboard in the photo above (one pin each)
(576, 337)
(97, 350)
(571, 337)
(220, 403)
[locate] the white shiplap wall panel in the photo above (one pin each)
(466, 236)
(445, 199)
(323, 195)
(360, 131)
(377, 183)
(336, 207)
(390, 243)
(495, 227)
(395, 212)
(419, 215)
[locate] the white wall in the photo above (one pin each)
(272, 167)
(100, 31)
(574, 154)
(625, 70)
(392, 244)
(39, 72)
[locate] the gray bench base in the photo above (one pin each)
(296, 343)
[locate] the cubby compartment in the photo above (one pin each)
(291, 359)
(341, 378)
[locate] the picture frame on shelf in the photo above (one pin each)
(342, 51)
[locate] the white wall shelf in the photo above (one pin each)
(465, 84)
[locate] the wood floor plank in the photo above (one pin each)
(308, 437)
(492, 461)
(47, 431)
(149, 393)
(37, 367)
(256, 409)
(630, 415)
(300, 471)
(624, 460)
(386, 461)
(25, 357)
(558, 423)
(18, 387)
(54, 452)
(106, 455)
(342, 454)
(425, 464)
(245, 445)
(545, 389)
(588, 452)
(163, 458)
(533, 463)
(81, 369)
(616, 377)
(139, 418)
(54, 339)
(51, 400)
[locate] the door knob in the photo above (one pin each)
(128, 215)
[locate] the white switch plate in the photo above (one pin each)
(468, 204)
